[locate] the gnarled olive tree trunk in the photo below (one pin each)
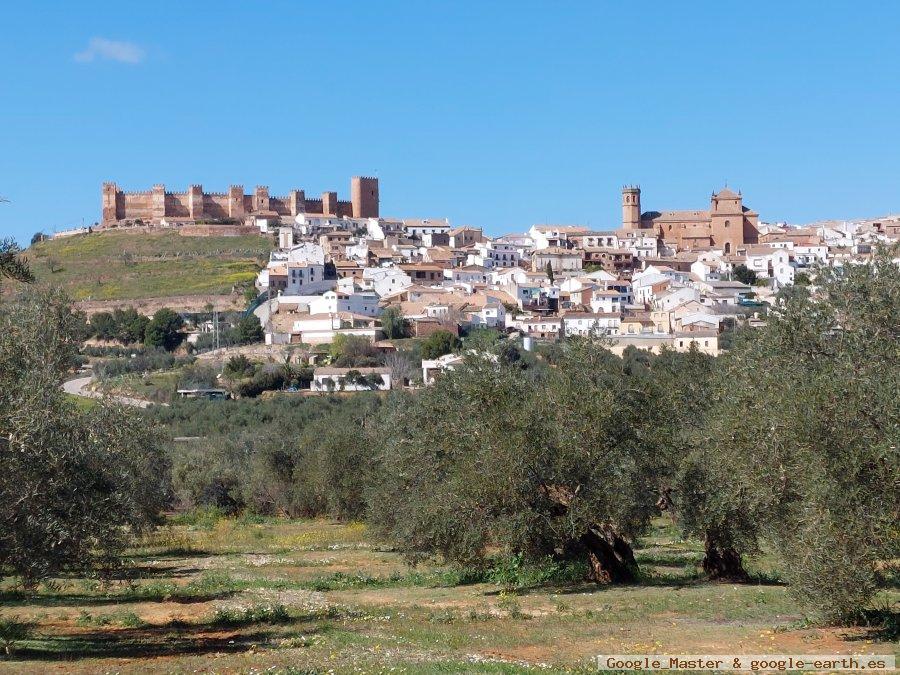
(722, 561)
(609, 555)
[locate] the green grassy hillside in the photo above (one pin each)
(128, 264)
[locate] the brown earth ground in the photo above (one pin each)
(233, 302)
(312, 596)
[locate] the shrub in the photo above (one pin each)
(13, 631)
(144, 361)
(276, 613)
(440, 342)
(266, 379)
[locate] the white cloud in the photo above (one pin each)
(110, 50)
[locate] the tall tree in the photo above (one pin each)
(74, 486)
(440, 342)
(164, 329)
(802, 442)
(546, 465)
(393, 324)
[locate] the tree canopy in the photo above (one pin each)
(74, 485)
(440, 342)
(164, 329)
(801, 443)
(12, 264)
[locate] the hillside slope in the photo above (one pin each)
(118, 265)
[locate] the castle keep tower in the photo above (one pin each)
(364, 197)
(109, 198)
(631, 207)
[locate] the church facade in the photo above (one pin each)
(727, 225)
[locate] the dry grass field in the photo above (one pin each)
(317, 596)
(144, 263)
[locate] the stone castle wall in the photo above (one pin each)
(156, 204)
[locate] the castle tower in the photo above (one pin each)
(364, 196)
(298, 202)
(109, 197)
(158, 201)
(631, 207)
(195, 202)
(329, 203)
(236, 202)
(261, 198)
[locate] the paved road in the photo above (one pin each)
(78, 387)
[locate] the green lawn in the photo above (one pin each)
(265, 594)
(116, 265)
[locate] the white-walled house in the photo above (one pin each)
(608, 301)
(640, 246)
(306, 278)
(364, 303)
(470, 274)
(351, 379)
(675, 296)
(432, 368)
(540, 327)
(783, 273)
(647, 283)
(316, 329)
(494, 254)
(420, 226)
(548, 236)
(707, 342)
(559, 259)
(710, 269)
(386, 280)
(807, 256)
(285, 238)
(591, 323)
(763, 259)
(493, 315)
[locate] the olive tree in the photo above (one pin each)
(12, 264)
(802, 442)
(550, 464)
(74, 485)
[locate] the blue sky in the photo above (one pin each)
(498, 114)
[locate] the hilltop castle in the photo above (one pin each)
(195, 205)
(727, 225)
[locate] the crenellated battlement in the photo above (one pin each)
(158, 204)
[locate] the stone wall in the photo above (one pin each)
(157, 204)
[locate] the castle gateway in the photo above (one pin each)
(234, 206)
(727, 225)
